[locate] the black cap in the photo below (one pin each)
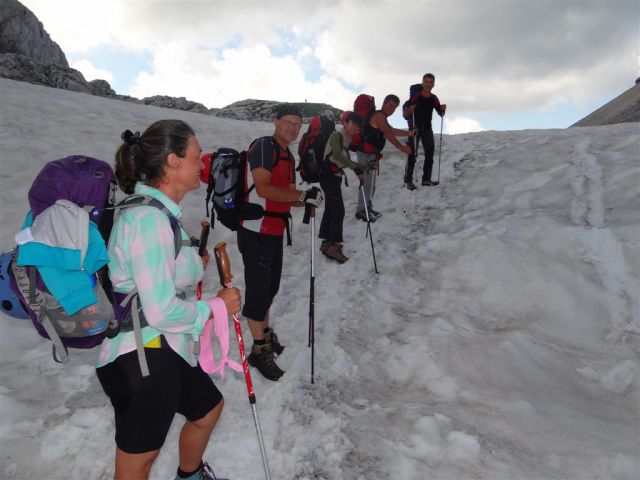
(285, 109)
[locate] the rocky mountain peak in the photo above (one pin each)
(22, 33)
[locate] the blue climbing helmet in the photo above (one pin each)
(10, 303)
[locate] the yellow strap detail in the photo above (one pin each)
(154, 343)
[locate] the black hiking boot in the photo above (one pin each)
(262, 358)
(362, 215)
(271, 338)
(410, 185)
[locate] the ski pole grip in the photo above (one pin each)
(309, 212)
(204, 237)
(224, 266)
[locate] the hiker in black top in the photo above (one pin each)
(418, 114)
(376, 132)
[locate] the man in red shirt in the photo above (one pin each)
(260, 241)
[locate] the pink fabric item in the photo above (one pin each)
(218, 324)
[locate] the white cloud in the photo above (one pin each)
(499, 57)
(182, 70)
(462, 125)
(91, 72)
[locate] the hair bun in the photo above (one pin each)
(130, 138)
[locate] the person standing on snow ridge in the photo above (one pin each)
(336, 155)
(376, 132)
(162, 163)
(421, 112)
(260, 241)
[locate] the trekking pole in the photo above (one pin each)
(366, 210)
(224, 270)
(404, 202)
(439, 150)
(406, 188)
(373, 186)
(204, 238)
(310, 213)
(416, 142)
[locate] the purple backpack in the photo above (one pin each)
(90, 184)
(65, 198)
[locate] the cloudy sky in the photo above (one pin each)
(499, 64)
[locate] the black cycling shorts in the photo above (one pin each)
(262, 258)
(145, 406)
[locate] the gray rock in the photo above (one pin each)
(179, 103)
(264, 110)
(24, 69)
(101, 88)
(22, 33)
(622, 109)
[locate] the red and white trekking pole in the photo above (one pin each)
(204, 238)
(224, 270)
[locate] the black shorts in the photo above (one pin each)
(145, 407)
(262, 258)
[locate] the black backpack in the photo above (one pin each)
(311, 148)
(226, 187)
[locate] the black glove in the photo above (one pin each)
(312, 197)
(358, 171)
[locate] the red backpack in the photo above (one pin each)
(311, 148)
(364, 106)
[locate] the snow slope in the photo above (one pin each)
(500, 339)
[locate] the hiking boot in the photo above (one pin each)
(374, 214)
(335, 252)
(325, 245)
(205, 472)
(362, 215)
(410, 185)
(427, 183)
(271, 338)
(262, 358)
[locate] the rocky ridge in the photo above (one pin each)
(622, 109)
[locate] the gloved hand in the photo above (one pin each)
(358, 171)
(312, 197)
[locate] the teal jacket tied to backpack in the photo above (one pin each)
(66, 248)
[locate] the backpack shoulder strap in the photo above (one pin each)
(138, 200)
(276, 154)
